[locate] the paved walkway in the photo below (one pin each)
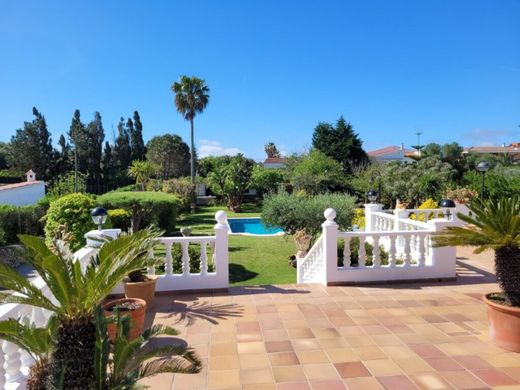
(405, 336)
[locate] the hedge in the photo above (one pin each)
(16, 220)
(70, 216)
(146, 207)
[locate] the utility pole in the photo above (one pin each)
(419, 146)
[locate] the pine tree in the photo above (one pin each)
(136, 139)
(31, 148)
(340, 143)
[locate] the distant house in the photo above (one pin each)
(512, 150)
(23, 194)
(274, 162)
(391, 153)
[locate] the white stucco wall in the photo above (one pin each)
(23, 196)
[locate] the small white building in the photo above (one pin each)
(391, 153)
(22, 194)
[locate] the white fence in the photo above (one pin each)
(15, 363)
(392, 247)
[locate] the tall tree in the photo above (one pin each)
(191, 98)
(31, 148)
(271, 150)
(64, 160)
(79, 138)
(108, 168)
(96, 136)
(171, 154)
(3, 155)
(341, 143)
(122, 150)
(136, 139)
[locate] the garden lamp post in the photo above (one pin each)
(99, 216)
(372, 196)
(483, 167)
(447, 205)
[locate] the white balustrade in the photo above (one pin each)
(311, 267)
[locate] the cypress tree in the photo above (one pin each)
(96, 135)
(122, 150)
(136, 141)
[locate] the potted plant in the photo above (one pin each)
(132, 308)
(140, 285)
(495, 224)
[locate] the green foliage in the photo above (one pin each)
(146, 207)
(208, 164)
(183, 189)
(340, 143)
(266, 181)
(499, 182)
(141, 172)
(315, 172)
(271, 150)
(359, 218)
(170, 154)
(295, 213)
(194, 253)
(120, 218)
(354, 253)
(230, 178)
(493, 224)
(65, 184)
(16, 220)
(69, 216)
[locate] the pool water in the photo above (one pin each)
(251, 226)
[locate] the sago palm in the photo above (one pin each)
(131, 361)
(37, 342)
(191, 98)
(73, 296)
(495, 224)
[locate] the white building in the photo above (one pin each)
(23, 194)
(391, 153)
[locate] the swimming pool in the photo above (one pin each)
(252, 226)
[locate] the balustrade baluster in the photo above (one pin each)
(392, 252)
(362, 254)
(151, 268)
(407, 251)
(13, 363)
(203, 258)
(3, 379)
(346, 252)
(421, 255)
(185, 258)
(168, 259)
(376, 252)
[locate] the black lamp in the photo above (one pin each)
(447, 205)
(483, 167)
(99, 216)
(372, 196)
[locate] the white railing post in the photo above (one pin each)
(370, 208)
(221, 247)
(330, 245)
(444, 257)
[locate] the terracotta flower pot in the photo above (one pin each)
(136, 316)
(142, 290)
(504, 324)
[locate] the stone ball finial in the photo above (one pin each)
(330, 214)
(221, 216)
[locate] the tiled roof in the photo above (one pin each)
(274, 160)
(386, 150)
(18, 185)
(513, 148)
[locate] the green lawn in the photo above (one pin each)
(252, 260)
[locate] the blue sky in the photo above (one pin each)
(275, 68)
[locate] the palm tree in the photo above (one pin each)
(141, 171)
(37, 342)
(74, 296)
(133, 360)
(191, 98)
(495, 224)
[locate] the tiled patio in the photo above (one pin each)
(404, 336)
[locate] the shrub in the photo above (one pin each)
(354, 253)
(119, 218)
(359, 218)
(194, 252)
(70, 215)
(64, 185)
(427, 204)
(293, 213)
(11, 256)
(461, 194)
(19, 220)
(145, 207)
(183, 189)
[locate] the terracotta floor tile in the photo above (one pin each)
(250, 361)
(369, 352)
(430, 381)
(463, 379)
(159, 382)
(397, 382)
(472, 362)
(312, 356)
(427, 350)
(227, 348)
(325, 333)
(300, 333)
(338, 342)
(398, 352)
(328, 385)
(305, 344)
(320, 371)
(263, 386)
(293, 386)
(278, 346)
(509, 359)
(351, 369)
(383, 367)
(223, 379)
(338, 355)
(494, 377)
(275, 335)
(283, 359)
(363, 383)
(413, 365)
(443, 364)
(256, 376)
(289, 374)
(251, 347)
(224, 362)
(513, 372)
